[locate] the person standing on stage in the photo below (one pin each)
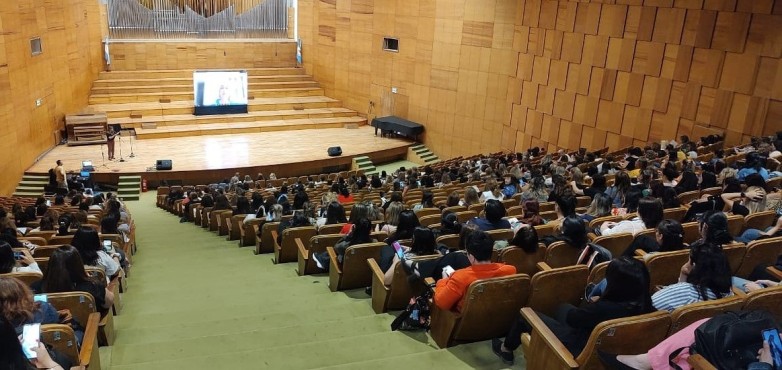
(110, 142)
(60, 177)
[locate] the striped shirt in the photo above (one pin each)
(677, 295)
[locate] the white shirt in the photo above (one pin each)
(107, 264)
(31, 268)
(633, 226)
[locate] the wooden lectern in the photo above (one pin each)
(85, 129)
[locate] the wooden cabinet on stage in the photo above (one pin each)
(85, 129)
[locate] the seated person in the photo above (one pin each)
(92, 252)
(298, 220)
(650, 213)
(494, 212)
(65, 273)
(530, 209)
(705, 276)
(600, 207)
(626, 294)
(13, 357)
(668, 237)
(450, 290)
(8, 260)
(18, 308)
(565, 206)
(423, 245)
(360, 234)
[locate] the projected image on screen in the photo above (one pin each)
(220, 88)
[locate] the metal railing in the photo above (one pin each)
(199, 19)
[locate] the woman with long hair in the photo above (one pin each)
(423, 244)
(427, 200)
(626, 294)
(408, 221)
(65, 273)
(536, 190)
(449, 224)
(9, 263)
(705, 276)
(92, 252)
(392, 217)
(600, 207)
(335, 214)
(530, 215)
(650, 213)
(18, 307)
(618, 191)
(491, 190)
(470, 197)
(669, 236)
(359, 234)
(573, 232)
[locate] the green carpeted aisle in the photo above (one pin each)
(197, 301)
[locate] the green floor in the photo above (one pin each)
(197, 301)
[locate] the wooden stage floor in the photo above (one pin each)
(209, 158)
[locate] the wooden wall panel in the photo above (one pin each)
(61, 76)
(506, 74)
(142, 55)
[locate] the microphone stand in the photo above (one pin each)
(131, 143)
(119, 134)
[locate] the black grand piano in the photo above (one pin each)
(396, 125)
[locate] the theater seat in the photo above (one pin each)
(630, 335)
(287, 251)
(688, 314)
(554, 286)
(316, 244)
(498, 298)
(353, 272)
(397, 295)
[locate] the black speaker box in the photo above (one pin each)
(335, 151)
(163, 164)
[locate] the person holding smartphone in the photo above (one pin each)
(16, 261)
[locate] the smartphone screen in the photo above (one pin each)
(399, 252)
(107, 245)
(31, 334)
(48, 203)
(17, 255)
(775, 344)
(40, 298)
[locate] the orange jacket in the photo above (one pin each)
(451, 290)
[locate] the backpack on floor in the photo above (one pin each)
(730, 340)
(417, 315)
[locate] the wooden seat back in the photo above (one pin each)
(636, 334)
(735, 225)
(397, 295)
(760, 220)
(287, 251)
(600, 220)
(266, 242)
(561, 254)
(546, 206)
(62, 338)
(525, 263)
(455, 209)
(515, 211)
(692, 232)
(429, 220)
(28, 278)
(235, 227)
(353, 272)
(556, 286)
(501, 234)
(689, 196)
(544, 230)
(465, 216)
(477, 208)
(427, 212)
(690, 313)
(247, 231)
(451, 241)
(223, 219)
(42, 234)
(316, 244)
(767, 299)
(60, 240)
(205, 212)
(664, 267)
(674, 213)
(616, 243)
(37, 240)
(499, 298)
(735, 254)
(764, 251)
(331, 229)
(598, 273)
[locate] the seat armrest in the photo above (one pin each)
(539, 329)
(274, 237)
(90, 341)
(640, 253)
(592, 236)
(542, 266)
(430, 282)
(738, 291)
(775, 272)
(300, 246)
(333, 260)
(377, 273)
(699, 363)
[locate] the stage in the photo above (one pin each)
(207, 159)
